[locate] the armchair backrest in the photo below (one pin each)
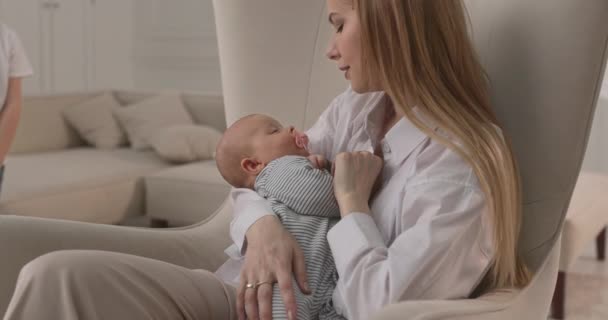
(545, 60)
(272, 55)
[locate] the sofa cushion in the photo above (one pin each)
(186, 143)
(205, 108)
(144, 120)
(94, 121)
(185, 194)
(42, 126)
(83, 184)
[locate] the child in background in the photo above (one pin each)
(14, 65)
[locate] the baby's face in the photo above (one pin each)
(270, 140)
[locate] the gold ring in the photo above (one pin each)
(264, 282)
(257, 284)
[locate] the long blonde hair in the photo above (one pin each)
(420, 52)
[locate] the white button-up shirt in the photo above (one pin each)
(428, 235)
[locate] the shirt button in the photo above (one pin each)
(386, 148)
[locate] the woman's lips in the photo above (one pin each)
(346, 70)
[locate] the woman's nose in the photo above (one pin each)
(332, 52)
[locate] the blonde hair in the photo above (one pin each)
(420, 52)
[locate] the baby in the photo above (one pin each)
(257, 152)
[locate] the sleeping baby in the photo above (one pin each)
(258, 153)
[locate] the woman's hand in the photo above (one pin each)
(354, 177)
(272, 256)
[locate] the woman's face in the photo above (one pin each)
(345, 44)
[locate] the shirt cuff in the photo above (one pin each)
(21, 74)
(351, 237)
(244, 222)
(248, 209)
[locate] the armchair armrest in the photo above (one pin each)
(531, 302)
(23, 239)
(482, 308)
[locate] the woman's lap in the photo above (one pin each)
(106, 285)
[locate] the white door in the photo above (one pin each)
(54, 33)
(74, 45)
(24, 16)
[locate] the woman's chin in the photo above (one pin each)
(359, 87)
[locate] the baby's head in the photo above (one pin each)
(251, 143)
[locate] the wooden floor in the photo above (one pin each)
(587, 289)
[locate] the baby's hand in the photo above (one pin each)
(318, 161)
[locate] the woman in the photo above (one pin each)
(13, 66)
(448, 208)
(444, 217)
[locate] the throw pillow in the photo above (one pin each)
(94, 122)
(144, 120)
(187, 143)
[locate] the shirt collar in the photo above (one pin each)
(403, 137)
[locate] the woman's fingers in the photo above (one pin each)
(287, 293)
(299, 270)
(240, 299)
(354, 177)
(251, 304)
(265, 301)
(273, 254)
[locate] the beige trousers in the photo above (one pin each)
(95, 285)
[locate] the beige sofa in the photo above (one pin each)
(51, 173)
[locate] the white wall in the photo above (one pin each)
(175, 46)
(113, 49)
(596, 158)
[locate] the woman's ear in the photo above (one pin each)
(252, 166)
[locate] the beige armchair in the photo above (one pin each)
(545, 59)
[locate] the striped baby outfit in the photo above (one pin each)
(303, 199)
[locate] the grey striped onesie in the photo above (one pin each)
(303, 199)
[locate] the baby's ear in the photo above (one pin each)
(252, 166)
